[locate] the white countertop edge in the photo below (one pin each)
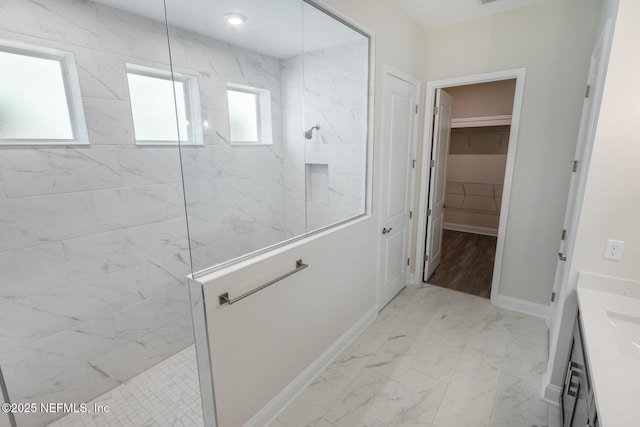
(615, 376)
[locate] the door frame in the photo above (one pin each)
(388, 70)
(519, 75)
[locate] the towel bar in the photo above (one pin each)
(224, 298)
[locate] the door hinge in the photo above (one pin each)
(426, 258)
(553, 296)
(575, 166)
(588, 92)
(410, 214)
(563, 235)
(436, 110)
(561, 256)
(413, 164)
(428, 212)
(432, 163)
(408, 261)
(416, 108)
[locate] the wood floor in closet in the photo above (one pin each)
(467, 263)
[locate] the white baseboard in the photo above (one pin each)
(272, 409)
(551, 394)
(470, 229)
(522, 306)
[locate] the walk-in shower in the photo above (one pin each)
(144, 141)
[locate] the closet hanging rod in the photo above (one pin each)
(225, 299)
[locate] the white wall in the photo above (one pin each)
(553, 41)
(262, 343)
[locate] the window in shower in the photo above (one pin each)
(159, 117)
(40, 100)
(249, 114)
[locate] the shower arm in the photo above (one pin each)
(309, 133)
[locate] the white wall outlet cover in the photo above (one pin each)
(613, 250)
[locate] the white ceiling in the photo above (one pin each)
(273, 27)
(432, 14)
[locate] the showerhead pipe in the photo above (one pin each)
(309, 134)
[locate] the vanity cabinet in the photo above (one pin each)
(578, 403)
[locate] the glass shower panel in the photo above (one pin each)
(236, 181)
(336, 78)
(93, 238)
(283, 100)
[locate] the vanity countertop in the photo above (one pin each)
(610, 316)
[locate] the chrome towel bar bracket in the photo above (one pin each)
(225, 299)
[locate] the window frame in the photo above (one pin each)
(263, 114)
(73, 93)
(193, 110)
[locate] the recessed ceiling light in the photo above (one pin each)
(235, 18)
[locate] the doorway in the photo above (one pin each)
(464, 202)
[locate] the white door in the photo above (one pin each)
(399, 114)
(590, 109)
(437, 182)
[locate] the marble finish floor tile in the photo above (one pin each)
(434, 357)
(168, 394)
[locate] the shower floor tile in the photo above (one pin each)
(166, 395)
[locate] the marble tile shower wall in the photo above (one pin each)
(233, 192)
(93, 241)
(333, 95)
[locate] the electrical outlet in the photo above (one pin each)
(613, 250)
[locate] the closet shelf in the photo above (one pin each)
(473, 197)
(467, 122)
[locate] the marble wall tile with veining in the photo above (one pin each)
(102, 74)
(60, 20)
(16, 324)
(347, 190)
(28, 271)
(25, 367)
(39, 171)
(213, 93)
(337, 128)
(215, 126)
(70, 387)
(70, 305)
(149, 165)
(351, 159)
(109, 121)
(132, 35)
(131, 206)
(107, 252)
(257, 69)
(321, 214)
(144, 317)
(32, 221)
(320, 153)
(145, 352)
